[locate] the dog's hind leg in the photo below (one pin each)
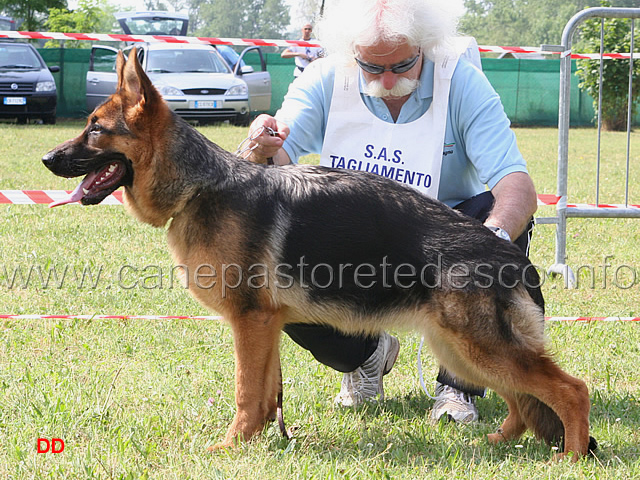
(503, 349)
(567, 396)
(513, 426)
(542, 397)
(256, 340)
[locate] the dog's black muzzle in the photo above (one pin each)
(105, 171)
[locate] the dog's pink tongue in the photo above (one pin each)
(78, 193)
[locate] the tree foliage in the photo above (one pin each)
(519, 22)
(33, 13)
(239, 18)
(91, 16)
(168, 5)
(615, 84)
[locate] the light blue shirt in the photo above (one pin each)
(479, 146)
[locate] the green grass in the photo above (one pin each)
(143, 399)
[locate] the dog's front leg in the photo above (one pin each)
(256, 339)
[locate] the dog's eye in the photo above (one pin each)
(95, 128)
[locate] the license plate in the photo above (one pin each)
(206, 104)
(15, 101)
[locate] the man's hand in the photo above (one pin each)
(266, 145)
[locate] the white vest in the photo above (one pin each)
(410, 153)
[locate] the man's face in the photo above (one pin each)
(306, 32)
(390, 85)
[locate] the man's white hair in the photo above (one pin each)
(429, 24)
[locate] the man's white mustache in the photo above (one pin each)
(403, 87)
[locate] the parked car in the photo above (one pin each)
(7, 23)
(153, 23)
(194, 79)
(27, 88)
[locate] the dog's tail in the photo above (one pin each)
(533, 285)
(544, 422)
(540, 419)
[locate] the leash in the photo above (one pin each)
(279, 411)
(245, 148)
(420, 376)
(248, 145)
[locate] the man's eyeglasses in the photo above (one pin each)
(397, 68)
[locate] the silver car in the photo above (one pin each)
(194, 79)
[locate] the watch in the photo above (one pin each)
(500, 232)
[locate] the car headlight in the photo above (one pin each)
(45, 86)
(238, 90)
(169, 91)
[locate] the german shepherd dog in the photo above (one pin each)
(309, 244)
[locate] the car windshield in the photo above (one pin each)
(185, 61)
(155, 26)
(18, 56)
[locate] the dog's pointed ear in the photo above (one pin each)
(133, 83)
(120, 61)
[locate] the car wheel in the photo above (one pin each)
(49, 120)
(242, 119)
(21, 120)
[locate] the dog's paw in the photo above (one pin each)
(571, 457)
(221, 446)
(495, 438)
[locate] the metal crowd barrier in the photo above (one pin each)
(564, 210)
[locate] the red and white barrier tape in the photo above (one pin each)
(579, 56)
(551, 199)
(592, 319)
(109, 317)
(33, 197)
(547, 199)
(217, 317)
(113, 37)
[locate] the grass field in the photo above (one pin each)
(143, 399)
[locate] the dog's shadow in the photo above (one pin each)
(400, 430)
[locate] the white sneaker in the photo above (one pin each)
(456, 405)
(365, 382)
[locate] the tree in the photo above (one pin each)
(166, 5)
(304, 11)
(615, 76)
(519, 22)
(90, 16)
(32, 12)
(240, 18)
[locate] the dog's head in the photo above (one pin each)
(110, 145)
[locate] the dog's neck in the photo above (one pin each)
(204, 167)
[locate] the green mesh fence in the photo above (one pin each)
(528, 88)
(281, 70)
(71, 80)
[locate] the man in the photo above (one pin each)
(303, 56)
(395, 98)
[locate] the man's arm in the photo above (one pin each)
(290, 53)
(515, 203)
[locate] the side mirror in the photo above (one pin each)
(246, 69)
(54, 69)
